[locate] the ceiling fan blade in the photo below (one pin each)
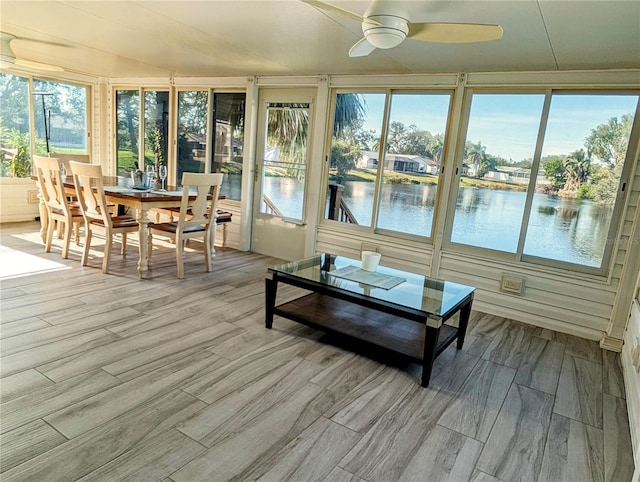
(38, 65)
(454, 32)
(361, 48)
(341, 11)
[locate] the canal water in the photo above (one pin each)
(563, 229)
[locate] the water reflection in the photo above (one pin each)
(575, 232)
(563, 229)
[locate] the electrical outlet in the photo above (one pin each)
(512, 284)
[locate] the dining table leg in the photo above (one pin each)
(143, 236)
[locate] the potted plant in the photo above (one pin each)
(18, 192)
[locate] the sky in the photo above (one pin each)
(507, 124)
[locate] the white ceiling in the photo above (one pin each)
(288, 37)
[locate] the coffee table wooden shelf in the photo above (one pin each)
(409, 321)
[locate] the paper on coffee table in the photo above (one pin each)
(372, 278)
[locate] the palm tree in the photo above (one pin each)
(435, 148)
(577, 169)
(350, 109)
(288, 128)
(475, 154)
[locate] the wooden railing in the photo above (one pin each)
(338, 209)
(270, 206)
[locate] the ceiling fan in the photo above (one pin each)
(8, 57)
(386, 24)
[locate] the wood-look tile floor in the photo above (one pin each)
(107, 377)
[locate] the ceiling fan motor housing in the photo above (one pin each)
(389, 31)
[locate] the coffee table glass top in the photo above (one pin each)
(416, 292)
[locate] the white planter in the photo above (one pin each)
(18, 199)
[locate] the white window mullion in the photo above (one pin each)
(535, 165)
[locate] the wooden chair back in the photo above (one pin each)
(194, 214)
(87, 179)
(58, 207)
(50, 183)
(197, 218)
(66, 158)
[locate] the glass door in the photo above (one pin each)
(284, 120)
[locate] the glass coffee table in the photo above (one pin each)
(399, 311)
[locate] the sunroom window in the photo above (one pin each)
(228, 142)
(412, 161)
(60, 117)
(60, 122)
(398, 192)
(583, 155)
(495, 171)
(140, 146)
(192, 131)
(353, 160)
(540, 175)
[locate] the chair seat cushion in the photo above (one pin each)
(221, 216)
(118, 222)
(173, 227)
(75, 211)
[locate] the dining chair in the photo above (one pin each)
(95, 209)
(59, 209)
(194, 220)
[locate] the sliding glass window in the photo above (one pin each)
(413, 154)
(397, 194)
(228, 141)
(353, 160)
(578, 184)
(60, 117)
(496, 168)
(541, 175)
(156, 127)
(142, 131)
(15, 129)
(60, 121)
(127, 130)
(192, 131)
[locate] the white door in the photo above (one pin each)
(283, 146)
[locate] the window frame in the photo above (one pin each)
(519, 257)
(211, 132)
(373, 229)
(141, 90)
(32, 107)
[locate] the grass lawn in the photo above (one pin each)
(369, 175)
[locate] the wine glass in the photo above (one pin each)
(162, 173)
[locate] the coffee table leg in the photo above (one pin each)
(430, 341)
(465, 312)
(270, 290)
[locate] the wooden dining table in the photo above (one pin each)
(118, 191)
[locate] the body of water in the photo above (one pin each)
(563, 229)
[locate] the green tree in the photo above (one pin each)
(343, 157)
(435, 148)
(606, 183)
(608, 142)
(18, 164)
(554, 170)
